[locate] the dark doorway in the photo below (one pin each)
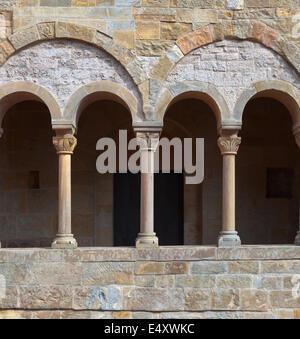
(168, 214)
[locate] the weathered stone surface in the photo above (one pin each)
(46, 30)
(69, 30)
(284, 299)
(98, 298)
(291, 266)
(152, 47)
(45, 297)
(197, 299)
(161, 70)
(107, 273)
(233, 281)
(153, 299)
(147, 30)
(126, 38)
(176, 268)
(208, 267)
(194, 40)
(24, 37)
(149, 268)
(199, 280)
(225, 299)
(173, 31)
(250, 267)
(254, 300)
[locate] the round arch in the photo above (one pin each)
(101, 90)
(63, 30)
(208, 93)
(279, 90)
(252, 30)
(16, 92)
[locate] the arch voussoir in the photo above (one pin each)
(59, 29)
(252, 30)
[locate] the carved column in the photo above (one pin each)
(148, 142)
(65, 145)
(297, 137)
(229, 144)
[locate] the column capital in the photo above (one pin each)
(64, 144)
(229, 144)
(148, 141)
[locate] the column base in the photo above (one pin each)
(64, 241)
(297, 239)
(146, 240)
(229, 239)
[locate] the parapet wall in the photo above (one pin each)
(169, 282)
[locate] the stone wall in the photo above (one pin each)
(193, 282)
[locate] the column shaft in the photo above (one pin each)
(229, 145)
(64, 194)
(148, 144)
(229, 192)
(65, 145)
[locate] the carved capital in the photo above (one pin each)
(148, 141)
(65, 144)
(229, 145)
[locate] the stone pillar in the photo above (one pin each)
(297, 137)
(229, 144)
(148, 142)
(65, 145)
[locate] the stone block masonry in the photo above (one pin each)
(168, 282)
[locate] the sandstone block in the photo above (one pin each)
(95, 274)
(284, 299)
(194, 40)
(152, 47)
(164, 281)
(172, 31)
(225, 299)
(153, 299)
(25, 37)
(46, 30)
(149, 268)
(197, 280)
(45, 297)
(253, 299)
(98, 298)
(162, 68)
(176, 268)
(126, 38)
(234, 281)
(249, 267)
(257, 30)
(147, 30)
(208, 267)
(270, 37)
(197, 299)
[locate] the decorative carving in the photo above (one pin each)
(65, 144)
(229, 145)
(148, 141)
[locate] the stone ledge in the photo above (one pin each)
(131, 254)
